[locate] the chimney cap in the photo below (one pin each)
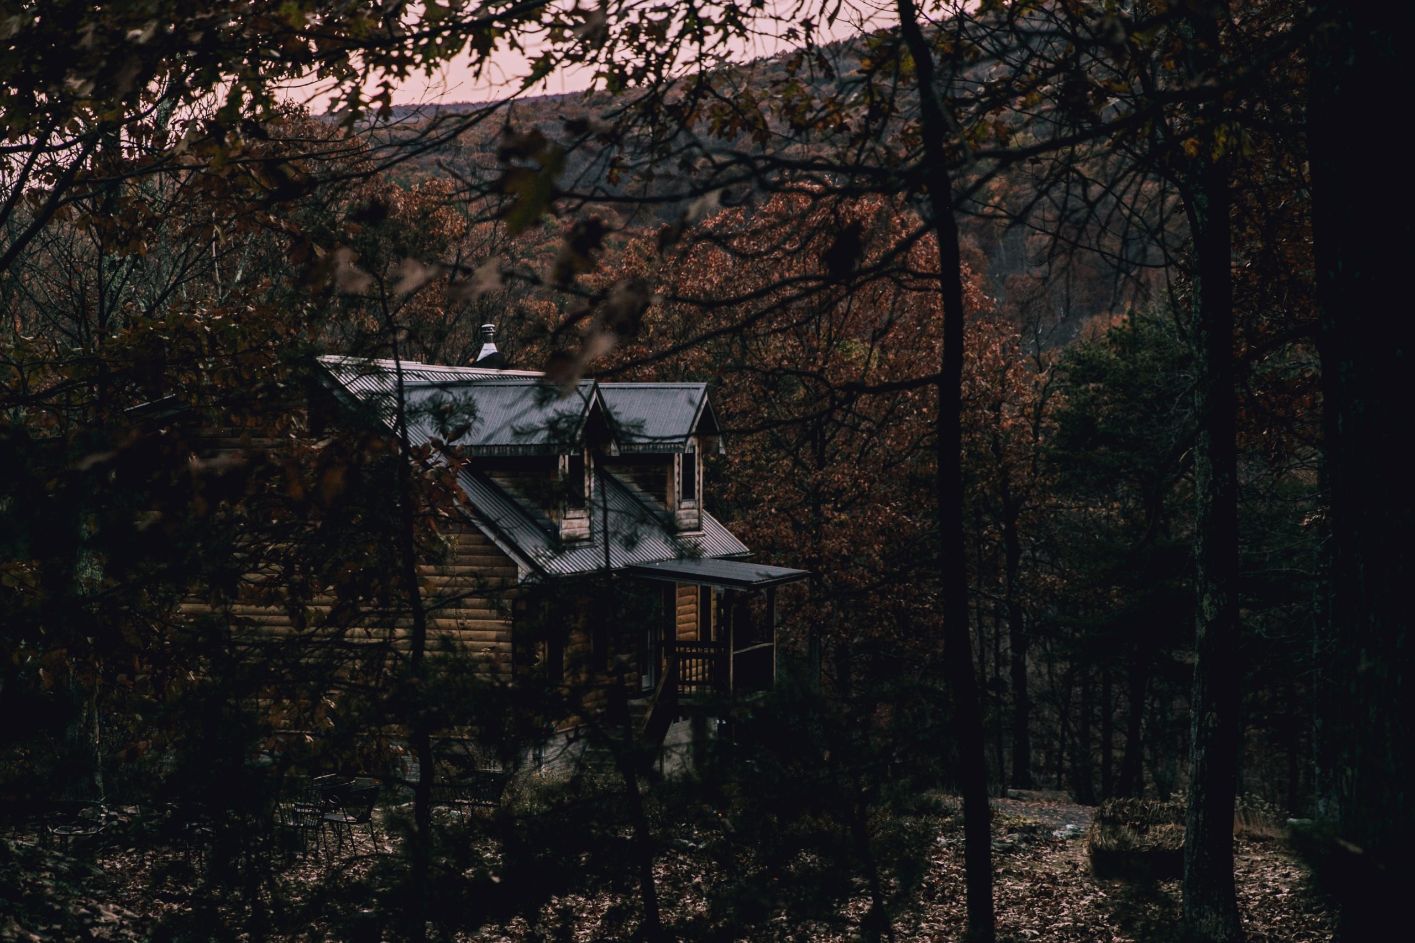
(488, 355)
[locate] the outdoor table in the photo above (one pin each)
(66, 822)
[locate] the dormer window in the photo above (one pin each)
(576, 489)
(688, 500)
(690, 477)
(577, 486)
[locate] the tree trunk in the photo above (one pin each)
(1210, 901)
(1366, 342)
(1107, 734)
(628, 750)
(1292, 740)
(628, 761)
(1083, 781)
(958, 660)
(1063, 728)
(997, 687)
(1017, 645)
(1131, 781)
(418, 715)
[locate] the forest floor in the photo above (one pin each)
(1045, 891)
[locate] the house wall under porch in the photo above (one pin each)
(570, 752)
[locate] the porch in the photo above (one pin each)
(716, 634)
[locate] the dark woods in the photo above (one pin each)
(1043, 337)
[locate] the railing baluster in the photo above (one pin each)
(700, 665)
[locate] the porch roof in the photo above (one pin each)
(736, 574)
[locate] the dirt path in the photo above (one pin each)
(1048, 808)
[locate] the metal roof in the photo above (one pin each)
(637, 533)
(352, 371)
(481, 411)
(655, 417)
(499, 417)
(739, 574)
(509, 412)
(512, 412)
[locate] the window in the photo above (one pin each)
(538, 641)
(689, 490)
(576, 487)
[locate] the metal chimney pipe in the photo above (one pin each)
(489, 356)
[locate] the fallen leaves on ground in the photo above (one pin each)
(1044, 891)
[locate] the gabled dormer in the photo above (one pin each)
(665, 429)
(575, 477)
(688, 488)
(575, 471)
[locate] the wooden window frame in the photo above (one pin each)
(690, 460)
(586, 483)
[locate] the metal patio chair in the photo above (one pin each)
(352, 804)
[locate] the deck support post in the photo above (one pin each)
(771, 621)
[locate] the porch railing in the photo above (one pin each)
(701, 668)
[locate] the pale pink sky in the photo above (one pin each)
(455, 82)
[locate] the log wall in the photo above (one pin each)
(467, 596)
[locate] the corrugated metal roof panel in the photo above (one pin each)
(653, 417)
(637, 533)
(503, 417)
(738, 573)
(484, 412)
(351, 368)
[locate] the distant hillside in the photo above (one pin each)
(1071, 289)
(404, 113)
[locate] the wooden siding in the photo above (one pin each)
(687, 614)
(467, 595)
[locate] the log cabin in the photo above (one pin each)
(559, 488)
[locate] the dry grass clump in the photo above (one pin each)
(1259, 819)
(1138, 839)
